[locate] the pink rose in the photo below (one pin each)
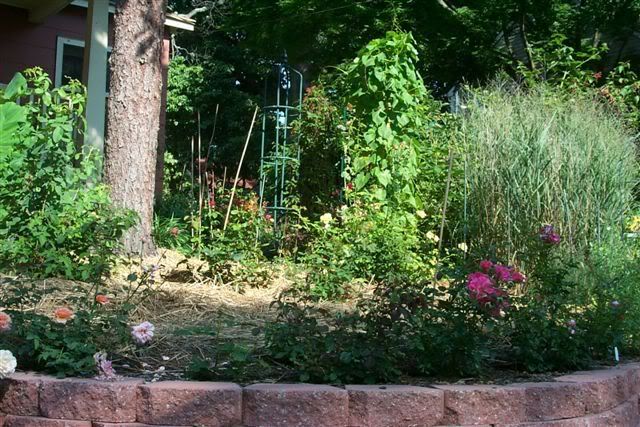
(548, 235)
(518, 277)
(503, 273)
(485, 265)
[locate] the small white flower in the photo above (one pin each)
(8, 363)
(165, 358)
(463, 247)
(326, 219)
(433, 236)
(143, 333)
(421, 214)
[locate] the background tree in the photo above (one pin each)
(133, 111)
(225, 60)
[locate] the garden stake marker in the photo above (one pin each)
(235, 181)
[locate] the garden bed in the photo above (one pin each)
(605, 397)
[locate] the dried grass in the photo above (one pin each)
(192, 313)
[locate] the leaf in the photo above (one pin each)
(16, 87)
(361, 181)
(380, 194)
(11, 117)
(384, 176)
(57, 134)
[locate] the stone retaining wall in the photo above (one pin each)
(596, 398)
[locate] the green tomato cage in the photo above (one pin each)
(280, 150)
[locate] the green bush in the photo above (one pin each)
(412, 328)
(536, 157)
(55, 219)
(357, 245)
(320, 181)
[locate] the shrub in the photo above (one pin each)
(55, 219)
(320, 183)
(416, 328)
(357, 245)
(390, 111)
(535, 157)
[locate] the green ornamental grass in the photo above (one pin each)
(536, 157)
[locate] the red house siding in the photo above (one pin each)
(24, 45)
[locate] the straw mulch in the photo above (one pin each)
(194, 315)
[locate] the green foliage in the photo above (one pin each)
(570, 311)
(358, 246)
(402, 329)
(573, 70)
(460, 41)
(533, 158)
(390, 110)
(223, 92)
(321, 151)
(55, 220)
(547, 331)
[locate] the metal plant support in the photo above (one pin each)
(279, 152)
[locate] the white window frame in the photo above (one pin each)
(61, 42)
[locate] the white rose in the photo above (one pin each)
(8, 363)
(326, 219)
(433, 236)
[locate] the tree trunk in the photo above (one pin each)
(133, 114)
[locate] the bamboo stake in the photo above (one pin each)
(224, 180)
(235, 181)
(213, 134)
(446, 199)
(192, 184)
(200, 185)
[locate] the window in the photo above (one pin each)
(69, 61)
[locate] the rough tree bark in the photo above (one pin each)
(133, 114)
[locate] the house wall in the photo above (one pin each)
(24, 45)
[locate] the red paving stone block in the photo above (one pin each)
(99, 424)
(19, 421)
(603, 389)
(555, 400)
(190, 403)
(624, 415)
(89, 400)
(482, 404)
(394, 406)
(19, 394)
(581, 394)
(292, 405)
